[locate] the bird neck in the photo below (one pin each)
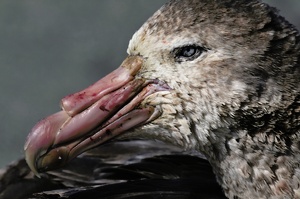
(257, 165)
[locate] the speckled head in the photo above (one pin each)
(237, 77)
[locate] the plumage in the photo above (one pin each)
(220, 77)
(128, 169)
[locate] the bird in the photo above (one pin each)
(216, 77)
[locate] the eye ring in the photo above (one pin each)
(187, 53)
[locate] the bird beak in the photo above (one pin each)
(90, 117)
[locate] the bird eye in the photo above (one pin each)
(188, 53)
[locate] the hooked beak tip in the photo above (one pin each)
(31, 161)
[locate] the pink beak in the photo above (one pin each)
(90, 117)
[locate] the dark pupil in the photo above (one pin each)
(188, 51)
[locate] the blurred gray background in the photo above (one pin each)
(49, 49)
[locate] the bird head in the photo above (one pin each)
(199, 73)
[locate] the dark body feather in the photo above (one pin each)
(129, 169)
